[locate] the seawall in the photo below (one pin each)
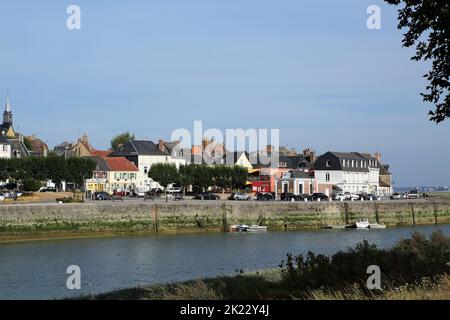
(197, 216)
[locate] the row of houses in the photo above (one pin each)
(15, 145)
(127, 167)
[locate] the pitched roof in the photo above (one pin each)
(333, 161)
(101, 153)
(138, 147)
(17, 146)
(120, 164)
(3, 139)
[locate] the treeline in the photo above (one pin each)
(55, 168)
(199, 175)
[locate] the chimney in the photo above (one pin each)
(161, 145)
(378, 156)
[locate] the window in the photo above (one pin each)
(145, 169)
(327, 177)
(328, 163)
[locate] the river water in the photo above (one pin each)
(37, 270)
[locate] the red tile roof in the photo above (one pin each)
(120, 164)
(101, 153)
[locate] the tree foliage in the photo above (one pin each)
(164, 173)
(31, 185)
(427, 25)
(121, 139)
(200, 175)
(55, 168)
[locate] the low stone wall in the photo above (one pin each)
(187, 216)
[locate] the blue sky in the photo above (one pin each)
(310, 68)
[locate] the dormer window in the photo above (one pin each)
(328, 163)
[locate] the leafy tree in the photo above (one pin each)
(121, 139)
(31, 185)
(223, 176)
(164, 173)
(185, 176)
(202, 175)
(427, 25)
(239, 177)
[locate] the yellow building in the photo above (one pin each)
(113, 175)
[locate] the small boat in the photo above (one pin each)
(377, 226)
(247, 228)
(362, 224)
(256, 228)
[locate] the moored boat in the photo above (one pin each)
(362, 224)
(377, 226)
(247, 228)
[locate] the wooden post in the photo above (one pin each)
(224, 218)
(346, 209)
(435, 213)
(377, 217)
(155, 217)
(413, 215)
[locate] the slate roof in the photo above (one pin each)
(17, 145)
(335, 162)
(299, 174)
(138, 148)
(3, 139)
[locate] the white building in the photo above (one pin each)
(349, 171)
(144, 154)
(5, 148)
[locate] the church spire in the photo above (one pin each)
(7, 115)
(8, 105)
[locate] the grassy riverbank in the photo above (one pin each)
(247, 286)
(414, 268)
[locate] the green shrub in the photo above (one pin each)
(407, 261)
(31, 185)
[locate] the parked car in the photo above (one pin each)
(239, 196)
(350, 196)
(319, 195)
(368, 196)
(47, 189)
(396, 196)
(121, 193)
(265, 196)
(102, 196)
(9, 186)
(206, 196)
(339, 196)
(137, 194)
(287, 196)
(413, 194)
(174, 190)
